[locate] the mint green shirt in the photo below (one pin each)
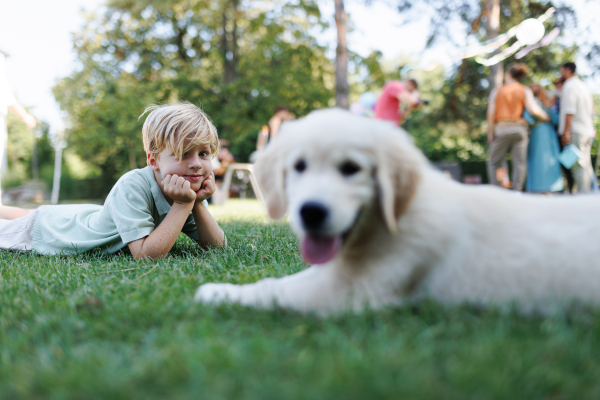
(133, 209)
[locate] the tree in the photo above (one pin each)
(341, 56)
(20, 146)
(492, 26)
(237, 60)
(229, 36)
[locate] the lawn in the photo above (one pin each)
(99, 327)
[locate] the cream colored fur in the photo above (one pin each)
(413, 232)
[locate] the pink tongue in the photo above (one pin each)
(317, 250)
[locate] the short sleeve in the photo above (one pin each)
(394, 89)
(568, 102)
(189, 228)
(130, 207)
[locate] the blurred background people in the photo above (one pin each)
(282, 114)
(395, 96)
(222, 160)
(576, 126)
(543, 168)
(556, 94)
(220, 163)
(263, 137)
(268, 132)
(507, 129)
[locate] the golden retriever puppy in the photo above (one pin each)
(383, 226)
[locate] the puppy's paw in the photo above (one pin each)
(215, 293)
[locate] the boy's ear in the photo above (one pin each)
(152, 161)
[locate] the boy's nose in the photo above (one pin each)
(194, 161)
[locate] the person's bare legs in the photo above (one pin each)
(7, 212)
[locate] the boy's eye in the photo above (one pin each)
(203, 154)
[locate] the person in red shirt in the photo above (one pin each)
(396, 93)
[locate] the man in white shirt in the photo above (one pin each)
(9, 102)
(576, 126)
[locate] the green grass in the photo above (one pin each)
(94, 327)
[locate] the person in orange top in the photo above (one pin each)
(507, 130)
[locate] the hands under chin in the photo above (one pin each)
(179, 189)
(207, 189)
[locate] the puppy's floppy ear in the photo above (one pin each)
(270, 173)
(399, 166)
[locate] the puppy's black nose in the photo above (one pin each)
(313, 215)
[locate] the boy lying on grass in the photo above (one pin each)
(146, 209)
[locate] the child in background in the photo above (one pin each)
(146, 209)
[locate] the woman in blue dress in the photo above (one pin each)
(543, 168)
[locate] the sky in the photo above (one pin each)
(37, 35)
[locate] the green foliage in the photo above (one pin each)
(244, 145)
(109, 327)
(20, 140)
(372, 71)
(20, 151)
(143, 52)
(78, 178)
(596, 122)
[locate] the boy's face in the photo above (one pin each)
(194, 166)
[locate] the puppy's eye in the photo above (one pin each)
(349, 168)
(300, 165)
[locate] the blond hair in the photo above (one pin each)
(540, 93)
(177, 127)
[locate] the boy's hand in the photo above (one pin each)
(207, 189)
(177, 188)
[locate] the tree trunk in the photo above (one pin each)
(492, 27)
(341, 58)
(234, 36)
(58, 150)
(34, 160)
(229, 40)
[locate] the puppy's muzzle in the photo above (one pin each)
(313, 215)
